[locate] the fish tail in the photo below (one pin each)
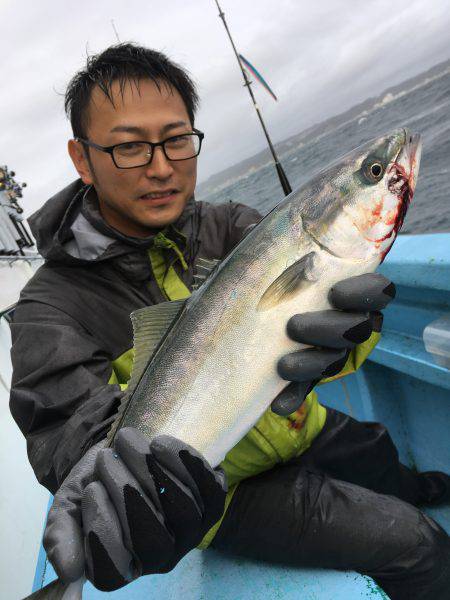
(57, 590)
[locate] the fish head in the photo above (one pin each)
(361, 200)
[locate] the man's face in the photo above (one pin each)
(143, 114)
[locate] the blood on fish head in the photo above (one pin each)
(391, 174)
(364, 203)
(402, 179)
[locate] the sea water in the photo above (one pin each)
(425, 109)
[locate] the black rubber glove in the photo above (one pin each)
(132, 510)
(333, 333)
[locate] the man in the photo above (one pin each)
(306, 486)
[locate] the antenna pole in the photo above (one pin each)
(281, 174)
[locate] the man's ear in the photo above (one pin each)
(80, 161)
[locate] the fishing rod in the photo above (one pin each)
(281, 174)
(115, 30)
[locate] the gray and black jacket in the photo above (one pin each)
(72, 321)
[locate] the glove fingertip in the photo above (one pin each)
(69, 568)
(130, 437)
(377, 321)
(166, 450)
(162, 444)
(369, 291)
(102, 571)
(193, 469)
(194, 462)
(63, 543)
(287, 401)
(335, 367)
(208, 483)
(360, 332)
(221, 478)
(390, 290)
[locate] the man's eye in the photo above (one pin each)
(130, 148)
(178, 141)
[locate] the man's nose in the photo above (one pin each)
(160, 167)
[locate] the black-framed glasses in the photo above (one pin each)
(130, 155)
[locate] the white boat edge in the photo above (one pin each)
(23, 502)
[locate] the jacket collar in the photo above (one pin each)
(71, 219)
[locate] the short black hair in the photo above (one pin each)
(123, 63)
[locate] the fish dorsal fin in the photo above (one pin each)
(150, 325)
(291, 280)
(203, 269)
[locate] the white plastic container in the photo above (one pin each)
(436, 337)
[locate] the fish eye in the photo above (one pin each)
(376, 169)
(373, 170)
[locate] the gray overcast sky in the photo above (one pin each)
(319, 57)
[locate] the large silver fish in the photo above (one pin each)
(214, 373)
(205, 368)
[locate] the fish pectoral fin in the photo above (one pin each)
(150, 325)
(295, 277)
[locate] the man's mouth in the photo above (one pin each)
(159, 194)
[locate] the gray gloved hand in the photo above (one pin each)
(334, 333)
(132, 510)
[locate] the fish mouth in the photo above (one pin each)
(403, 176)
(401, 183)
